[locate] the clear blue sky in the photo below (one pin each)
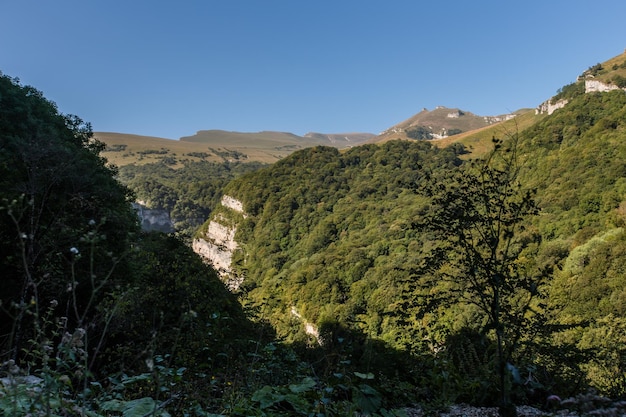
(171, 68)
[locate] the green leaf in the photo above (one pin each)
(367, 399)
(306, 385)
(112, 405)
(141, 407)
(266, 397)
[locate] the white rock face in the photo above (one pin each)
(498, 119)
(309, 328)
(153, 219)
(232, 203)
(591, 86)
(547, 107)
(218, 244)
(595, 85)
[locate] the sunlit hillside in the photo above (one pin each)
(217, 146)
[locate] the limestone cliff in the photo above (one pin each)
(153, 219)
(595, 85)
(217, 244)
(549, 107)
(591, 86)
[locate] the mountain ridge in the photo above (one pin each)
(442, 124)
(218, 146)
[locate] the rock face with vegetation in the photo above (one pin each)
(186, 194)
(217, 243)
(153, 219)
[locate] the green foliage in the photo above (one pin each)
(574, 159)
(569, 92)
(589, 292)
(81, 288)
(344, 396)
(594, 70)
(165, 310)
(323, 226)
(229, 155)
(619, 81)
(65, 222)
(162, 151)
(335, 237)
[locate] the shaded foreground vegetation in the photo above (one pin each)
(430, 280)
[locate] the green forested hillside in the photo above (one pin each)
(576, 159)
(328, 231)
(334, 239)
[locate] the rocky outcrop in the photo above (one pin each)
(591, 86)
(217, 245)
(232, 203)
(158, 220)
(498, 119)
(309, 328)
(549, 107)
(598, 86)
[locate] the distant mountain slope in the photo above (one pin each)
(478, 142)
(278, 138)
(281, 141)
(218, 146)
(339, 139)
(221, 136)
(439, 123)
(477, 131)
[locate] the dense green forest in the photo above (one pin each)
(340, 240)
(385, 276)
